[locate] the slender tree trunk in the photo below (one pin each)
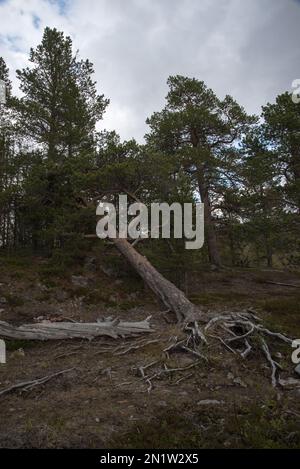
(232, 249)
(213, 250)
(173, 298)
(269, 253)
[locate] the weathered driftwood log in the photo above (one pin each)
(173, 298)
(71, 330)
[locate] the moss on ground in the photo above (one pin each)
(260, 425)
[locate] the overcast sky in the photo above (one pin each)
(249, 49)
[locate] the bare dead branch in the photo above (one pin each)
(136, 347)
(28, 385)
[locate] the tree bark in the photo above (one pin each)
(213, 250)
(210, 232)
(173, 298)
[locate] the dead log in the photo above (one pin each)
(173, 298)
(66, 330)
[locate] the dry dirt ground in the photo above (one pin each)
(104, 402)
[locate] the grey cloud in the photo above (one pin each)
(247, 49)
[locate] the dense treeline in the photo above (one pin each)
(54, 165)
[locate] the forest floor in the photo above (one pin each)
(103, 401)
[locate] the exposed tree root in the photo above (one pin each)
(240, 333)
(165, 370)
(242, 328)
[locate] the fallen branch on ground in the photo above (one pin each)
(124, 350)
(68, 330)
(29, 385)
(280, 284)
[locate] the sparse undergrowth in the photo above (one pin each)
(104, 402)
(261, 425)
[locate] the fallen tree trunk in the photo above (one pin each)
(173, 298)
(67, 330)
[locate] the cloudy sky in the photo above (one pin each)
(249, 49)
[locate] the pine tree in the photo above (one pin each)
(282, 129)
(57, 115)
(200, 130)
